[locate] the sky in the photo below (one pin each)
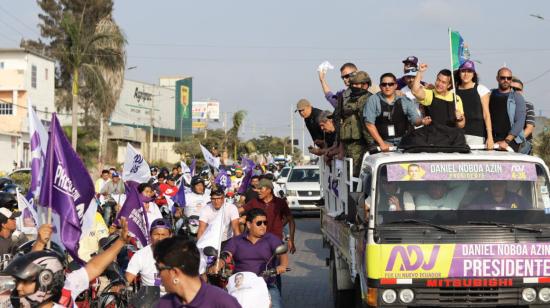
(262, 56)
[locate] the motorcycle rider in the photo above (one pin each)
(217, 207)
(40, 279)
(143, 263)
(114, 187)
(197, 199)
(253, 249)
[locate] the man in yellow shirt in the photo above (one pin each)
(439, 103)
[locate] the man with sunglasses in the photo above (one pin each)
(143, 262)
(389, 116)
(252, 250)
(507, 108)
(345, 73)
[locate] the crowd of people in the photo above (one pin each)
(254, 223)
(366, 116)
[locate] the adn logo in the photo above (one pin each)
(412, 258)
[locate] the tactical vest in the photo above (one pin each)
(391, 115)
(442, 111)
(352, 127)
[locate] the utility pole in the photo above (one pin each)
(158, 139)
(303, 139)
(291, 131)
(151, 127)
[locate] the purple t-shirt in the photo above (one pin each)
(332, 98)
(208, 296)
(250, 257)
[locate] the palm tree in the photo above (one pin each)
(88, 55)
(232, 137)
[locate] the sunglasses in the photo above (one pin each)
(517, 89)
(347, 76)
(505, 77)
(260, 222)
(387, 84)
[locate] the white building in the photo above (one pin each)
(24, 76)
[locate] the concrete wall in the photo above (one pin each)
(161, 151)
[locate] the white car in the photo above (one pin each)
(283, 176)
(303, 188)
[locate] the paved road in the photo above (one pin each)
(307, 285)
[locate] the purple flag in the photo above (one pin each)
(39, 141)
(192, 167)
(222, 179)
(179, 198)
(134, 213)
(249, 170)
(66, 188)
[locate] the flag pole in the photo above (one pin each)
(221, 233)
(51, 151)
(452, 69)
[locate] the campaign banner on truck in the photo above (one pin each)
(462, 171)
(426, 261)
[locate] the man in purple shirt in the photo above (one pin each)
(252, 250)
(345, 72)
(177, 262)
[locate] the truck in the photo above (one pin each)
(438, 230)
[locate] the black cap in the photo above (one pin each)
(217, 191)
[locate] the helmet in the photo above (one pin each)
(4, 182)
(196, 180)
(42, 267)
(7, 200)
(11, 188)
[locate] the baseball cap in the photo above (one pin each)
(360, 77)
(468, 65)
(115, 174)
(160, 223)
(411, 59)
(265, 183)
(9, 214)
(303, 103)
(411, 72)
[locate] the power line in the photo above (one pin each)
(19, 21)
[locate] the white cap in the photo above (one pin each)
(9, 214)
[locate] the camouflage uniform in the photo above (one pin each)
(352, 132)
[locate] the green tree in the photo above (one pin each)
(89, 48)
(542, 144)
(232, 137)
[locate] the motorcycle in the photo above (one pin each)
(221, 277)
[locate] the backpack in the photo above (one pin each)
(435, 138)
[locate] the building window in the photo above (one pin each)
(46, 74)
(6, 108)
(33, 76)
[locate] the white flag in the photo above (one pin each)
(135, 167)
(88, 219)
(212, 236)
(39, 143)
(210, 159)
(27, 222)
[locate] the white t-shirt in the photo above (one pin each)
(152, 213)
(251, 291)
(143, 263)
(194, 203)
(482, 90)
(209, 213)
(76, 282)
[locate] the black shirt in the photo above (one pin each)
(499, 115)
(250, 195)
(312, 124)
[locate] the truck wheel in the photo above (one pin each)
(342, 298)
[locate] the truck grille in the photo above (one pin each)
(306, 193)
(463, 297)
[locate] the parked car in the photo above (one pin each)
(303, 188)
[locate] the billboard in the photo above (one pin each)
(199, 110)
(209, 109)
(136, 102)
(184, 99)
